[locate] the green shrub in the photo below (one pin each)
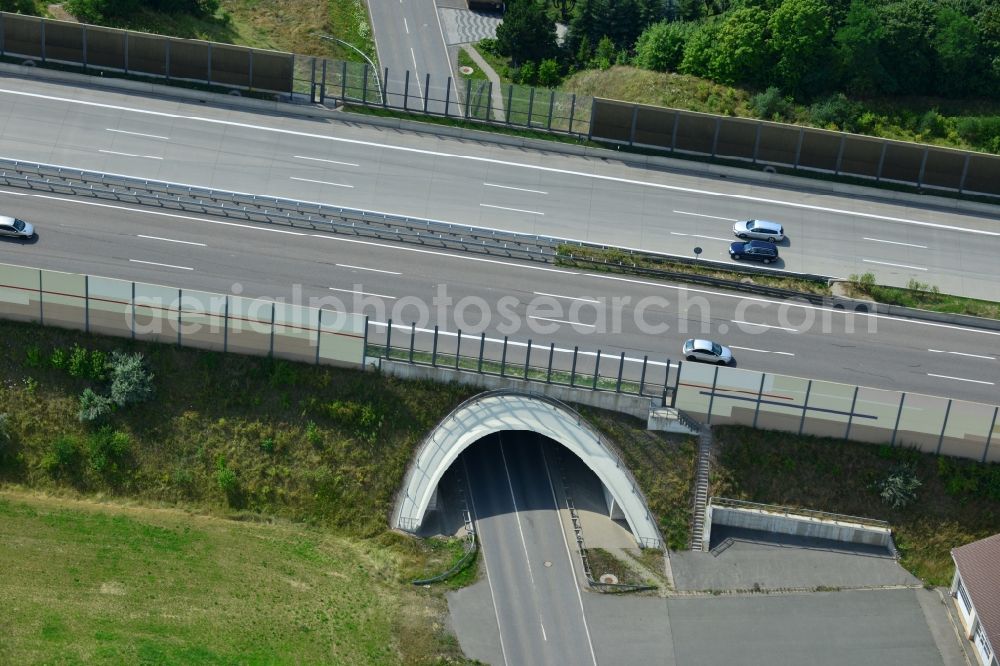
(661, 46)
(900, 488)
(58, 359)
(225, 476)
(131, 381)
(835, 110)
(107, 449)
(97, 369)
(489, 45)
(770, 104)
(267, 445)
(981, 132)
(77, 364)
(549, 73)
(94, 407)
(313, 435)
(62, 456)
(34, 357)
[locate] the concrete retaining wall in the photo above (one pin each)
(623, 403)
(798, 525)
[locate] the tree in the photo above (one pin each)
(800, 39)
(700, 49)
(740, 53)
(549, 73)
(858, 55)
(526, 32)
(956, 44)
(661, 46)
(604, 54)
(907, 45)
(131, 382)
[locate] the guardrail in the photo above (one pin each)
(725, 502)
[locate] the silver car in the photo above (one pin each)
(707, 351)
(760, 230)
(11, 226)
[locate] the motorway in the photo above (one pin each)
(408, 37)
(524, 301)
(529, 567)
(493, 186)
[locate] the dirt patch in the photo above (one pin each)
(61, 14)
(113, 588)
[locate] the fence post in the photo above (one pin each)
(805, 407)
(43, 38)
(944, 425)
(468, 96)
(711, 396)
(388, 337)
(503, 357)
(850, 417)
(84, 37)
(677, 383)
(447, 97)
(482, 348)
(548, 374)
(319, 332)
(364, 341)
(133, 303)
(510, 97)
(881, 161)
(642, 375)
(250, 70)
(166, 52)
(527, 359)
(798, 148)
(385, 88)
(635, 120)
(322, 87)
(840, 153)
(180, 301)
(364, 85)
(621, 369)
(597, 370)
(552, 104)
(673, 133)
(225, 326)
(458, 348)
(41, 298)
(312, 82)
(756, 141)
(413, 337)
(572, 374)
(760, 393)
(167, 57)
(923, 167)
(531, 104)
(406, 91)
(961, 182)
(899, 414)
(434, 348)
(572, 112)
(3, 35)
(989, 435)
(343, 82)
(208, 69)
(270, 352)
(715, 137)
(427, 90)
(666, 377)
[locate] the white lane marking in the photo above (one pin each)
(149, 136)
(942, 351)
(571, 298)
(517, 517)
(320, 182)
(362, 268)
(154, 263)
(115, 152)
(406, 26)
(569, 555)
(363, 293)
(17, 194)
(519, 189)
(960, 379)
(562, 321)
(879, 240)
(420, 88)
(172, 215)
(486, 564)
(490, 160)
(319, 159)
(445, 254)
(713, 217)
(676, 287)
(724, 240)
(170, 240)
(762, 351)
(886, 263)
(750, 323)
(544, 637)
(516, 210)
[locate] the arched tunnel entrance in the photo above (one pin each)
(497, 414)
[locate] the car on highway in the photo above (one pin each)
(759, 230)
(11, 226)
(755, 250)
(707, 352)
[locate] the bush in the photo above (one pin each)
(225, 477)
(900, 488)
(661, 46)
(131, 381)
(604, 54)
(101, 11)
(361, 420)
(527, 74)
(94, 407)
(490, 46)
(835, 110)
(77, 364)
(983, 133)
(19, 7)
(313, 435)
(770, 104)
(107, 449)
(58, 359)
(97, 369)
(549, 73)
(4, 432)
(934, 124)
(34, 357)
(62, 456)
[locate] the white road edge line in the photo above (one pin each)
(115, 152)
(713, 217)
(420, 88)
(406, 26)
(516, 210)
(519, 189)
(363, 293)
(563, 321)
(170, 240)
(320, 182)
(750, 323)
(886, 263)
(762, 351)
(572, 566)
(154, 263)
(319, 159)
(571, 298)
(942, 351)
(960, 379)
(149, 136)
(362, 268)
(879, 240)
(486, 565)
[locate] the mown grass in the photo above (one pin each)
(615, 261)
(921, 296)
(957, 503)
(104, 584)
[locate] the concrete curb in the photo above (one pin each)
(749, 174)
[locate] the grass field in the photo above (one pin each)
(958, 501)
(920, 296)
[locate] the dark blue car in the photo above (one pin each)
(755, 250)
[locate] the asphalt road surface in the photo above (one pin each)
(528, 563)
(408, 37)
(523, 301)
(493, 186)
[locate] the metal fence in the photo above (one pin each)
(184, 317)
(90, 46)
(523, 359)
(722, 395)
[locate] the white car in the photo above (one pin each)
(11, 226)
(760, 230)
(707, 351)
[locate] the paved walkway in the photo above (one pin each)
(497, 91)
